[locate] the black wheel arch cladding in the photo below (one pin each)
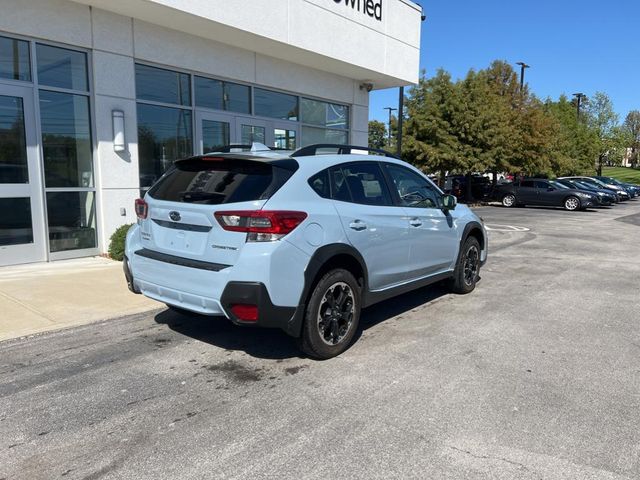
(321, 262)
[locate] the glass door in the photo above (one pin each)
(212, 131)
(249, 130)
(22, 234)
(285, 135)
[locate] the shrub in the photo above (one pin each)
(116, 244)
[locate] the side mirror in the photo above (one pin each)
(449, 202)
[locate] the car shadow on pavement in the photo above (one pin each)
(275, 344)
(395, 306)
(221, 333)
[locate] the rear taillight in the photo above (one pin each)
(260, 225)
(141, 208)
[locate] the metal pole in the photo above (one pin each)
(579, 97)
(522, 68)
(400, 119)
(389, 133)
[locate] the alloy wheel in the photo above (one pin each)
(335, 315)
(508, 200)
(572, 203)
(471, 265)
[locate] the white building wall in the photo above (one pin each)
(329, 35)
(115, 41)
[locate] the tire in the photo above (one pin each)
(572, 203)
(467, 271)
(329, 322)
(509, 200)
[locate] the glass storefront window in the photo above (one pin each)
(253, 133)
(324, 114)
(221, 95)
(72, 220)
(160, 85)
(164, 135)
(62, 68)
(13, 146)
(311, 135)
(284, 138)
(275, 105)
(214, 135)
(66, 140)
(14, 59)
(15, 222)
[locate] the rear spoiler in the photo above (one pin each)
(285, 163)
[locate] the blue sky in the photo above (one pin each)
(572, 46)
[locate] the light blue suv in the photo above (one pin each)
(300, 241)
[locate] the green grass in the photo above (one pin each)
(624, 174)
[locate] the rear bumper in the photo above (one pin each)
(255, 293)
(269, 277)
(127, 274)
(177, 298)
(235, 293)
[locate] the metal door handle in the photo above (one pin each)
(358, 225)
(415, 222)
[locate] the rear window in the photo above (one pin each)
(360, 182)
(219, 182)
(320, 184)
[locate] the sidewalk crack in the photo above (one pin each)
(26, 306)
(489, 457)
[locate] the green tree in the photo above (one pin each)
(503, 80)
(483, 125)
(377, 134)
(486, 122)
(430, 141)
(602, 118)
(575, 144)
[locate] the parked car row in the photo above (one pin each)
(571, 193)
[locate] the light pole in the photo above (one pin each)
(522, 68)
(579, 97)
(400, 120)
(391, 109)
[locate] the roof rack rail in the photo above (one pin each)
(341, 150)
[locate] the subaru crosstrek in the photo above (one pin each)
(300, 242)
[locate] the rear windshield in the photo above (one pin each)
(218, 182)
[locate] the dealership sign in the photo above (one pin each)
(372, 8)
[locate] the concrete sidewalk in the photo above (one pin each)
(47, 296)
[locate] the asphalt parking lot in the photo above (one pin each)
(535, 375)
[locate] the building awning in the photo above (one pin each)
(372, 41)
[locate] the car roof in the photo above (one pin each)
(305, 159)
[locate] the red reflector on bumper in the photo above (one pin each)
(244, 312)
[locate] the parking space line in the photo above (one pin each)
(505, 228)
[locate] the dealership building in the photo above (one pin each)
(99, 97)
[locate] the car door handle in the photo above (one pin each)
(415, 222)
(358, 225)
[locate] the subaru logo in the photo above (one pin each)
(175, 216)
